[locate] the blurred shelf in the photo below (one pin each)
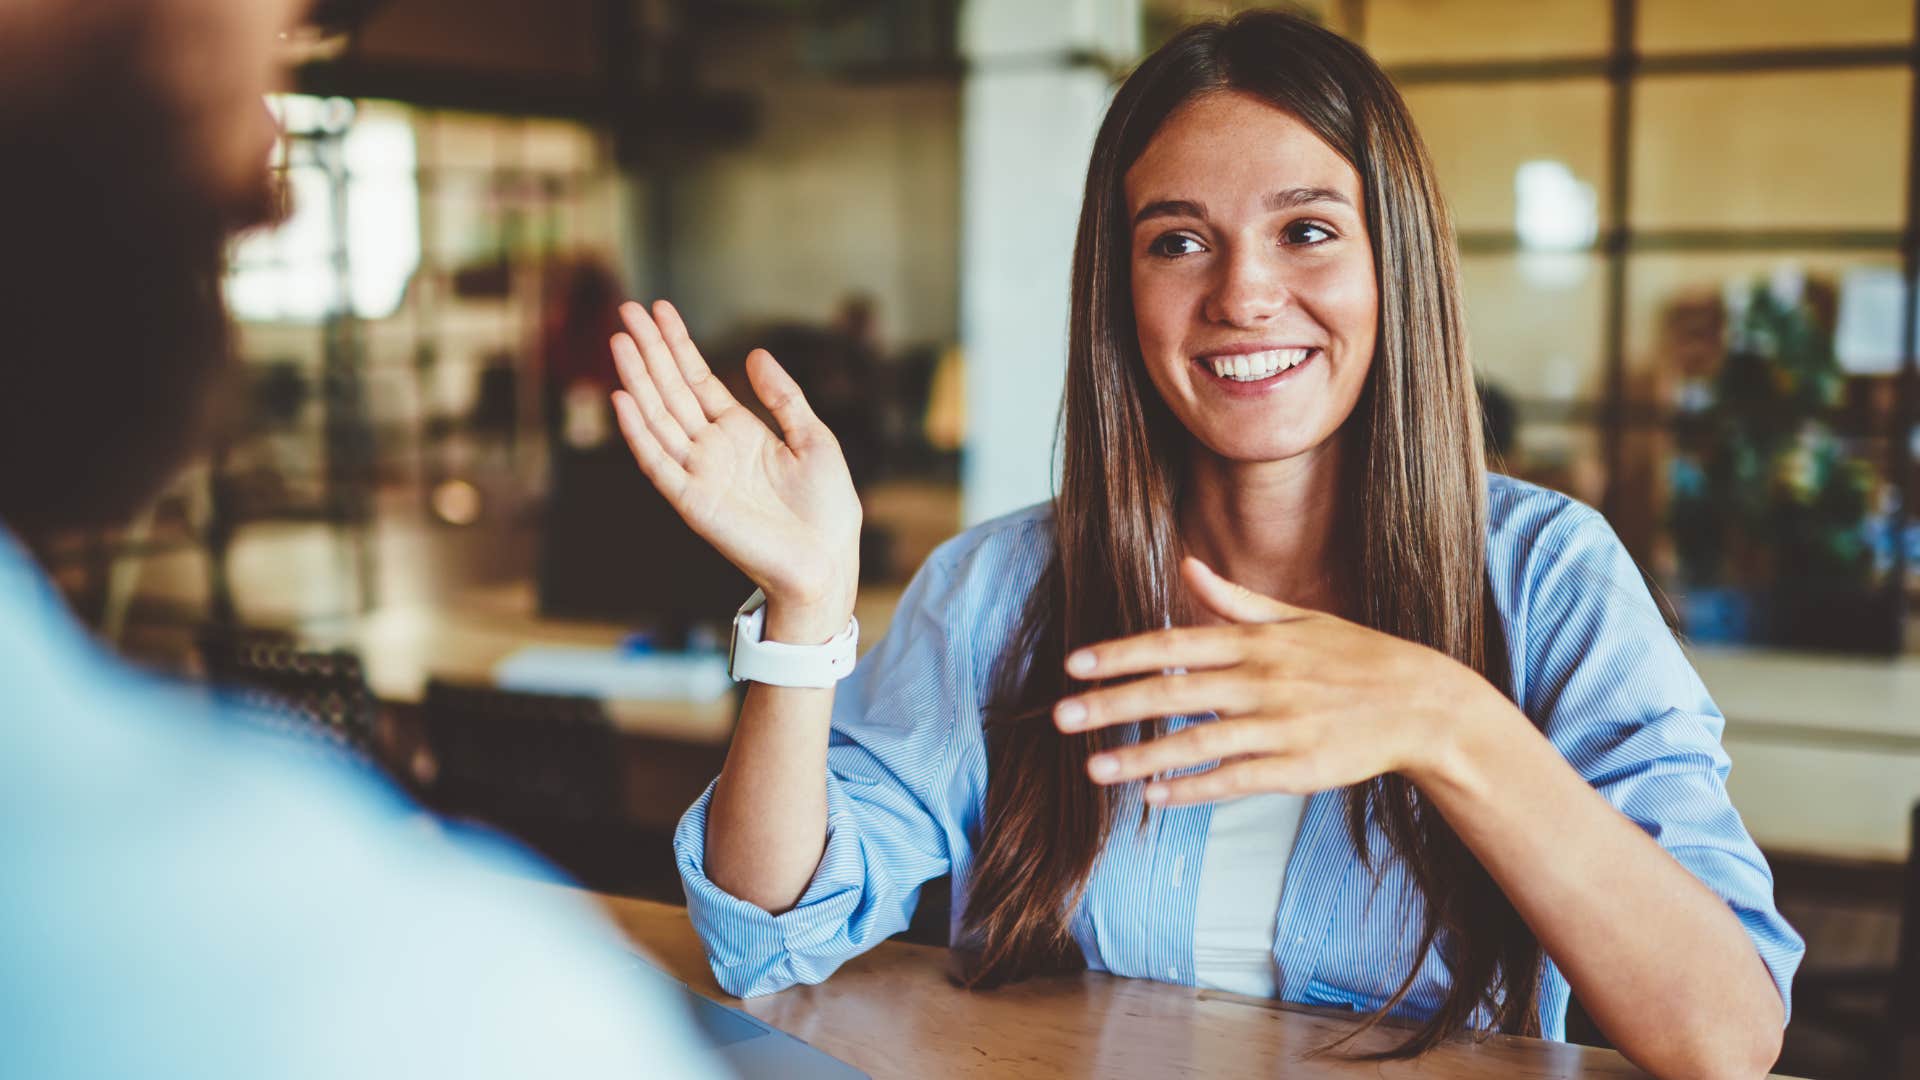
(1825, 749)
(1818, 693)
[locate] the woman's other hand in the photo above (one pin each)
(781, 507)
(1306, 701)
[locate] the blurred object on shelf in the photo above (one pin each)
(1767, 498)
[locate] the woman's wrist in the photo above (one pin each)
(1473, 722)
(810, 619)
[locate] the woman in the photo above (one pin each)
(1462, 767)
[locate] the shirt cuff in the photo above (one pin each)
(753, 952)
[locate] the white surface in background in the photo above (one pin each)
(613, 675)
(288, 273)
(1825, 749)
(1027, 127)
(1557, 218)
(1872, 306)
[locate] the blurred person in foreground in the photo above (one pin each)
(178, 895)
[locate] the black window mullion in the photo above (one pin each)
(1615, 237)
(1900, 464)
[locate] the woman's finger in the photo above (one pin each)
(1228, 691)
(710, 392)
(1281, 775)
(1221, 740)
(782, 397)
(1190, 647)
(635, 376)
(659, 467)
(664, 369)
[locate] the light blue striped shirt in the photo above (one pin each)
(1593, 665)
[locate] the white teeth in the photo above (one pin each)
(1252, 367)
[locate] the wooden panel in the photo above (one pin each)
(1716, 25)
(1824, 149)
(1481, 133)
(1400, 31)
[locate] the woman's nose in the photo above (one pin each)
(1251, 289)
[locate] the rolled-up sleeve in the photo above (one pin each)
(1612, 689)
(897, 811)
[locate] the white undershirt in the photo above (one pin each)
(1242, 872)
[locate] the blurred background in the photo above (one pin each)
(1689, 248)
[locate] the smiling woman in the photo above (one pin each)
(1229, 176)
(1422, 746)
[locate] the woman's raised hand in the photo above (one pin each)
(781, 507)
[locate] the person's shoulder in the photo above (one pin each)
(1014, 546)
(1528, 518)
(239, 837)
(1552, 547)
(980, 578)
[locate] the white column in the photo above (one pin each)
(1036, 87)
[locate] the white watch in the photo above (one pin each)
(752, 659)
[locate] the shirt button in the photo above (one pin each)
(1173, 974)
(1179, 869)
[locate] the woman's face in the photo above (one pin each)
(1253, 282)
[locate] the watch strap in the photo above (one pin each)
(754, 659)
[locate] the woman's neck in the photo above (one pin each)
(1270, 526)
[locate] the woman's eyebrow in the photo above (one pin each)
(1289, 198)
(1160, 208)
(1284, 199)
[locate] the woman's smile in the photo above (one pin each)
(1258, 372)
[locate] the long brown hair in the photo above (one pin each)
(1415, 514)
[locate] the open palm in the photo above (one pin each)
(781, 507)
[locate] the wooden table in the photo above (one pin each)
(892, 1013)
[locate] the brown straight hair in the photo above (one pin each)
(1415, 515)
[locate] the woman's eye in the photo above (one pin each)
(1174, 245)
(1307, 233)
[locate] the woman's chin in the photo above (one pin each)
(1241, 448)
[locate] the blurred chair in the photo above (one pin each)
(1889, 1028)
(545, 769)
(510, 757)
(319, 697)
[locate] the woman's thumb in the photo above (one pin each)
(1230, 600)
